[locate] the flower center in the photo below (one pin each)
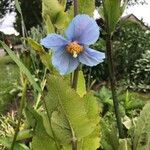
(74, 49)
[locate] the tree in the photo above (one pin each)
(5, 7)
(31, 10)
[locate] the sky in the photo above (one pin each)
(7, 24)
(140, 11)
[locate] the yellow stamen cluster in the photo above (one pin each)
(74, 49)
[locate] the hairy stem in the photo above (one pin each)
(20, 113)
(75, 7)
(113, 84)
(75, 76)
(53, 134)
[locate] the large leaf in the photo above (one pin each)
(141, 136)
(21, 66)
(71, 105)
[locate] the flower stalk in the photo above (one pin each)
(113, 84)
(75, 75)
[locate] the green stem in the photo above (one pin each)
(75, 7)
(40, 93)
(20, 113)
(49, 120)
(75, 77)
(113, 84)
(89, 79)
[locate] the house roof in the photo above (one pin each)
(133, 18)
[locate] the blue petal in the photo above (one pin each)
(91, 57)
(64, 62)
(54, 41)
(83, 29)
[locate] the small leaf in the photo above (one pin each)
(36, 46)
(81, 87)
(125, 144)
(18, 146)
(62, 20)
(18, 7)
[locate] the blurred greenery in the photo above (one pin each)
(9, 76)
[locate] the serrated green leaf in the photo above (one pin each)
(21, 66)
(81, 87)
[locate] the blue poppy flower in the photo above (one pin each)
(70, 52)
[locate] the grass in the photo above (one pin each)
(9, 77)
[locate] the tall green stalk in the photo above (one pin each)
(113, 84)
(75, 75)
(22, 103)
